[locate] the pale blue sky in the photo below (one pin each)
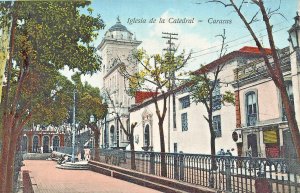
(199, 36)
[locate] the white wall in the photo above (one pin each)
(197, 138)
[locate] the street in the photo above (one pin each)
(46, 178)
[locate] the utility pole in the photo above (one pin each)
(171, 76)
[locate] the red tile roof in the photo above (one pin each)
(140, 96)
(243, 52)
(250, 49)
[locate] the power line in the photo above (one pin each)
(170, 37)
(215, 51)
(230, 41)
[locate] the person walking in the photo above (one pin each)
(86, 153)
(228, 153)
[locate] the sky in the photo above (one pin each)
(198, 37)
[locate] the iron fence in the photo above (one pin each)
(232, 174)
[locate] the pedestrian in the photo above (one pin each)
(41, 149)
(228, 153)
(86, 153)
(221, 152)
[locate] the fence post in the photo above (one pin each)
(176, 167)
(152, 163)
(228, 174)
(181, 165)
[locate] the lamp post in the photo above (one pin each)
(294, 34)
(73, 129)
(92, 119)
(294, 39)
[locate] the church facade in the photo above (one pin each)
(116, 48)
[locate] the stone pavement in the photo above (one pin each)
(48, 179)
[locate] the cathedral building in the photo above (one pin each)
(116, 48)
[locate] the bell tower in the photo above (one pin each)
(116, 47)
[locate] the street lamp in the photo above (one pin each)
(74, 128)
(92, 119)
(294, 34)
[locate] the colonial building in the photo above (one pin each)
(48, 138)
(191, 132)
(116, 48)
(260, 117)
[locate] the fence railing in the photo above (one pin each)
(66, 150)
(232, 174)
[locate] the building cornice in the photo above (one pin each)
(257, 70)
(117, 42)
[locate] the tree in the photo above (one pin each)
(45, 36)
(204, 86)
(155, 77)
(273, 64)
(4, 30)
(129, 131)
(90, 103)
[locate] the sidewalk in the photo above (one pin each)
(48, 179)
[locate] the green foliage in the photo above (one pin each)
(89, 102)
(156, 71)
(55, 33)
(228, 97)
(49, 35)
(202, 88)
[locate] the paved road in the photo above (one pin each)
(49, 179)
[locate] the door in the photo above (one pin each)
(252, 144)
(46, 144)
(24, 143)
(289, 150)
(35, 145)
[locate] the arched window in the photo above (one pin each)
(46, 144)
(35, 145)
(55, 143)
(251, 108)
(147, 136)
(112, 135)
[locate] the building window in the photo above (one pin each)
(289, 90)
(217, 125)
(112, 135)
(216, 96)
(128, 129)
(184, 122)
(147, 136)
(175, 147)
(184, 102)
(251, 108)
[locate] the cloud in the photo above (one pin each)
(189, 38)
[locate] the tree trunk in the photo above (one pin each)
(4, 154)
(162, 149)
(11, 161)
(290, 114)
(212, 146)
(97, 148)
(4, 160)
(132, 157)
